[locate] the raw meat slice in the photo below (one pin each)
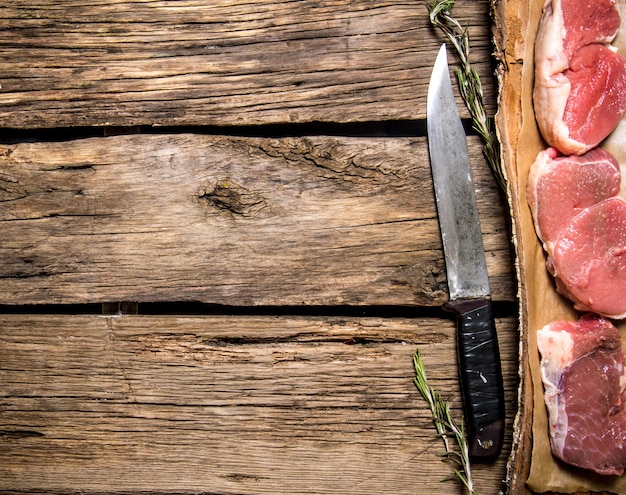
(560, 187)
(588, 259)
(561, 99)
(582, 366)
(580, 219)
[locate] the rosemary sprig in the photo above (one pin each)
(445, 425)
(469, 84)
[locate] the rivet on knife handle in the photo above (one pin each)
(481, 376)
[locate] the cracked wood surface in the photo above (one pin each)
(227, 404)
(240, 402)
(193, 62)
(235, 221)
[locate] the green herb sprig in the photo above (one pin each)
(469, 84)
(446, 426)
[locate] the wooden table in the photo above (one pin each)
(220, 248)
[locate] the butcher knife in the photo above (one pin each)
(466, 268)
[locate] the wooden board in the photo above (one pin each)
(257, 398)
(532, 465)
(223, 404)
(193, 62)
(235, 221)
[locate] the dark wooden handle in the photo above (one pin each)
(481, 376)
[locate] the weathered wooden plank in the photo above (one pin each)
(182, 62)
(224, 220)
(219, 404)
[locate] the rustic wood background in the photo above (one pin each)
(220, 248)
(221, 62)
(224, 220)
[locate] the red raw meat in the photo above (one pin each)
(588, 22)
(588, 259)
(581, 221)
(582, 366)
(560, 187)
(576, 107)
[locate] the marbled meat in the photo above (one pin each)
(582, 366)
(580, 79)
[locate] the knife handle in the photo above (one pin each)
(481, 376)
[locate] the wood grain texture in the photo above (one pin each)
(220, 404)
(198, 62)
(236, 221)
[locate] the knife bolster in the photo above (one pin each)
(463, 306)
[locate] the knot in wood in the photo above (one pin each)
(227, 195)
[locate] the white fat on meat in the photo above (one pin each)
(580, 81)
(556, 348)
(580, 218)
(582, 369)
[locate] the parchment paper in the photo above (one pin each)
(539, 301)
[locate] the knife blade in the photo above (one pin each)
(466, 268)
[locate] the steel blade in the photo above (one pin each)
(466, 266)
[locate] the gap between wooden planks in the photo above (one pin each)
(234, 221)
(193, 62)
(223, 404)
